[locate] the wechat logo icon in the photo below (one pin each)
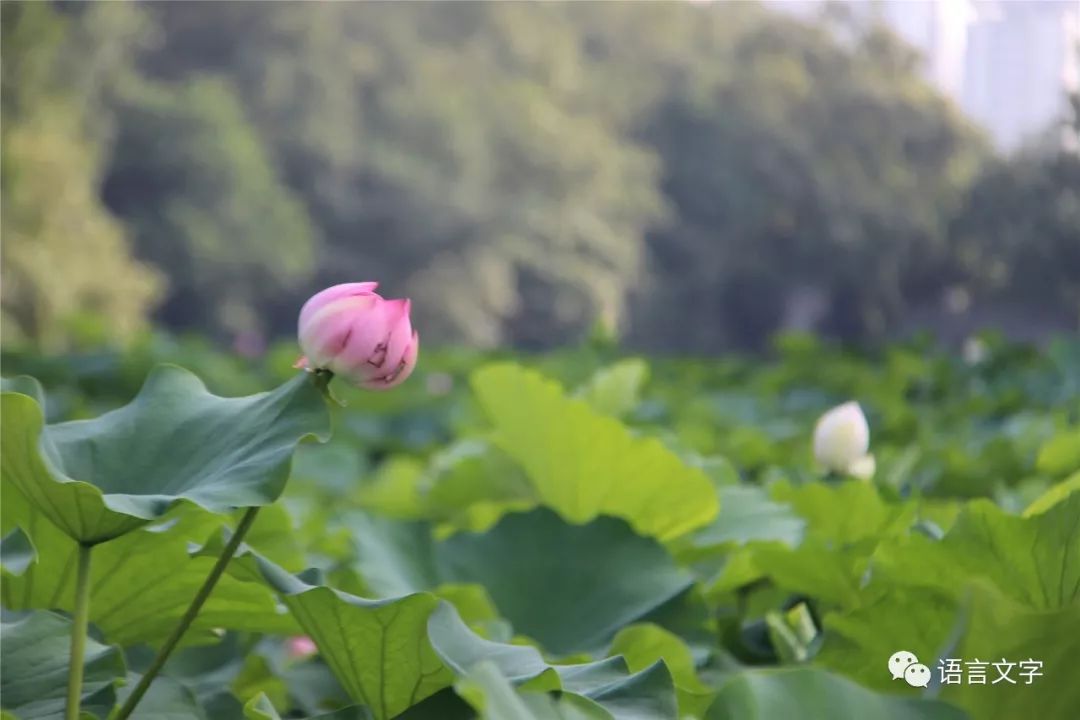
(904, 664)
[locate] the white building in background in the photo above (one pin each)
(1009, 64)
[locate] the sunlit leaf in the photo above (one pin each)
(377, 649)
(584, 464)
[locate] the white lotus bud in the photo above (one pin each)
(842, 439)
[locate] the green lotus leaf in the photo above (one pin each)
(175, 442)
(141, 583)
(571, 587)
(584, 464)
(167, 699)
(495, 698)
(377, 649)
(34, 669)
(609, 683)
(814, 694)
(643, 644)
(996, 588)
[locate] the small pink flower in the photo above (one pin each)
(355, 333)
(301, 647)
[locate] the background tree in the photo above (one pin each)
(803, 161)
(696, 175)
(67, 270)
(1018, 237)
(194, 182)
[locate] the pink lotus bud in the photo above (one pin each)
(301, 647)
(355, 333)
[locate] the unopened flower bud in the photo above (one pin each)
(355, 333)
(842, 441)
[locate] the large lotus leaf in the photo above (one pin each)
(747, 514)
(34, 669)
(846, 513)
(844, 523)
(648, 693)
(999, 631)
(461, 649)
(471, 484)
(643, 644)
(584, 464)
(98, 479)
(813, 694)
(721, 553)
(495, 698)
(167, 699)
(814, 568)
(571, 587)
(859, 641)
(1033, 560)
(394, 557)
(645, 695)
(377, 649)
(141, 583)
(995, 588)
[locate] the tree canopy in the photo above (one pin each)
(683, 173)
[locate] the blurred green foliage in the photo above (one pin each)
(520, 170)
(68, 271)
(640, 537)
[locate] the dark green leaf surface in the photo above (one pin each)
(166, 699)
(97, 479)
(495, 698)
(571, 587)
(811, 694)
(996, 587)
(34, 669)
(610, 683)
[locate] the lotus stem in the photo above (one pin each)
(78, 633)
(189, 615)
